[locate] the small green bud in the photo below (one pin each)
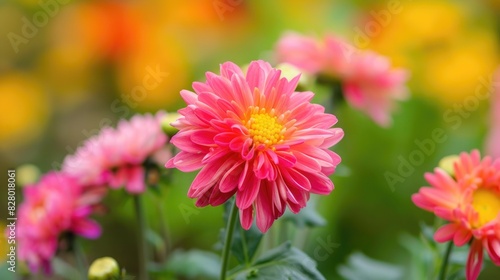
(27, 174)
(289, 72)
(104, 269)
(447, 163)
(166, 123)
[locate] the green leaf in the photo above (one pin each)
(426, 255)
(360, 266)
(307, 217)
(283, 262)
(245, 242)
(191, 264)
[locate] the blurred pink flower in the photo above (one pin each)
(470, 201)
(55, 205)
(493, 139)
(115, 157)
(253, 136)
(301, 51)
(372, 86)
(368, 80)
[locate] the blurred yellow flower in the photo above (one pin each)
(25, 109)
(446, 54)
(420, 19)
(453, 73)
(414, 28)
(68, 71)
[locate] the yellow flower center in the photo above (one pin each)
(487, 205)
(264, 128)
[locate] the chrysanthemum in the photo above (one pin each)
(493, 139)
(115, 157)
(253, 136)
(368, 80)
(470, 201)
(55, 205)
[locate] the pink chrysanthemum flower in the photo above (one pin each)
(115, 157)
(470, 201)
(55, 205)
(368, 80)
(493, 139)
(253, 136)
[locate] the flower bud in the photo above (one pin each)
(289, 72)
(27, 174)
(447, 163)
(104, 269)
(166, 123)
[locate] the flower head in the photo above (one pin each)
(253, 136)
(368, 80)
(115, 157)
(470, 201)
(55, 205)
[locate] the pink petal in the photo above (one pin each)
(217, 197)
(86, 228)
(446, 232)
(295, 179)
(186, 162)
(493, 248)
(135, 180)
(247, 194)
(474, 261)
(462, 236)
(246, 217)
(229, 181)
(263, 208)
(320, 183)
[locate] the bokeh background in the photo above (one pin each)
(69, 68)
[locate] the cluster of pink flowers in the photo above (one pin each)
(115, 157)
(470, 200)
(55, 205)
(368, 80)
(253, 136)
(62, 201)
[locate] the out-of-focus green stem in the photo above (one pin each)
(227, 242)
(444, 265)
(142, 244)
(79, 256)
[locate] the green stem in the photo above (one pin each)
(142, 244)
(163, 230)
(79, 256)
(227, 242)
(444, 265)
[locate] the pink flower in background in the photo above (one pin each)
(368, 80)
(115, 157)
(493, 139)
(253, 136)
(470, 201)
(372, 86)
(301, 51)
(55, 205)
